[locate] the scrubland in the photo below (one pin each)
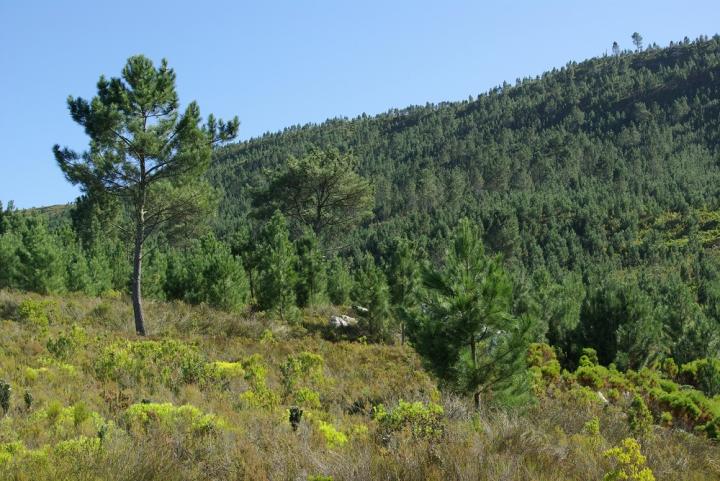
(207, 397)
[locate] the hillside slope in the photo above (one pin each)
(570, 164)
(208, 397)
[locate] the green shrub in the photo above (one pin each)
(222, 372)
(639, 417)
(592, 427)
(669, 367)
(187, 419)
(333, 437)
(591, 375)
(39, 313)
(666, 418)
(423, 420)
(319, 477)
(168, 362)
(704, 374)
(712, 428)
(8, 450)
(5, 392)
(305, 367)
(589, 357)
(307, 398)
(68, 422)
(630, 463)
(259, 395)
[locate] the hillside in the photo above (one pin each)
(523, 285)
(560, 168)
(597, 182)
(207, 397)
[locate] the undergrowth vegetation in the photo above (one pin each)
(84, 398)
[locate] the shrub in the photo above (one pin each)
(669, 367)
(61, 348)
(589, 357)
(65, 346)
(8, 450)
(544, 366)
(704, 374)
(307, 398)
(304, 367)
(168, 362)
(639, 417)
(592, 427)
(423, 420)
(630, 463)
(223, 372)
(68, 422)
(712, 428)
(77, 446)
(259, 394)
(187, 419)
(333, 437)
(38, 313)
(666, 418)
(591, 375)
(5, 392)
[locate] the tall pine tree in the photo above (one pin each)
(146, 153)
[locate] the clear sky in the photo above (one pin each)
(280, 63)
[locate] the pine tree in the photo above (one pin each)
(276, 268)
(371, 291)
(145, 153)
(638, 41)
(340, 282)
(41, 258)
(467, 335)
(404, 280)
(312, 276)
(207, 272)
(321, 191)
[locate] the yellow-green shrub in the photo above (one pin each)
(168, 362)
(259, 395)
(39, 313)
(423, 420)
(166, 416)
(333, 437)
(630, 463)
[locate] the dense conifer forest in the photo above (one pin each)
(546, 252)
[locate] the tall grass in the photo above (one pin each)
(77, 427)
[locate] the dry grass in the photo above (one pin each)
(545, 442)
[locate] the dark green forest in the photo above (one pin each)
(596, 184)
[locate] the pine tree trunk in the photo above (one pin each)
(473, 353)
(137, 276)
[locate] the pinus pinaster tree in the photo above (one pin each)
(467, 333)
(277, 275)
(321, 191)
(404, 281)
(147, 153)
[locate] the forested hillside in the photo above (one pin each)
(523, 285)
(595, 180)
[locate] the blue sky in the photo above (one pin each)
(280, 63)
